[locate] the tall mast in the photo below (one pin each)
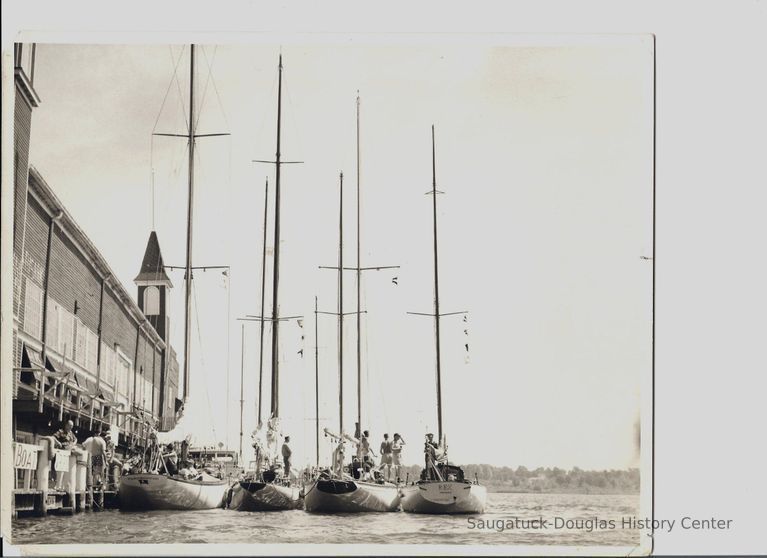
(276, 273)
(316, 383)
(188, 276)
(341, 305)
(263, 294)
(436, 286)
(242, 384)
(359, 279)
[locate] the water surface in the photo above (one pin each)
(227, 526)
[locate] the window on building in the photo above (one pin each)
(124, 371)
(139, 399)
(33, 309)
(66, 333)
(107, 365)
(81, 343)
(151, 301)
(53, 322)
(148, 394)
(93, 351)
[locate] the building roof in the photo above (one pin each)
(152, 268)
(51, 203)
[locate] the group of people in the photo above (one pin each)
(364, 465)
(99, 446)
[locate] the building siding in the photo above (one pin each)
(72, 294)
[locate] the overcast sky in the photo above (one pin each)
(544, 150)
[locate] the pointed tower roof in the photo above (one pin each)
(152, 268)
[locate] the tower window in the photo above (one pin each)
(151, 301)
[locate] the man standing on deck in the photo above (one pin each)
(286, 453)
(396, 455)
(386, 456)
(338, 459)
(430, 452)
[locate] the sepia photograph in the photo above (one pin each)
(391, 292)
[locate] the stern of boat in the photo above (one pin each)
(444, 497)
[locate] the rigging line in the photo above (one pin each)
(368, 360)
(207, 82)
(291, 111)
(154, 129)
(215, 88)
(259, 130)
(178, 88)
(202, 359)
(170, 84)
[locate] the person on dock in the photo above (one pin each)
(96, 446)
(286, 454)
(112, 464)
(396, 454)
(386, 456)
(65, 439)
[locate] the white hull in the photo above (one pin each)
(260, 496)
(161, 492)
(336, 496)
(449, 497)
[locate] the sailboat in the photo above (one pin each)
(163, 491)
(268, 490)
(340, 492)
(442, 488)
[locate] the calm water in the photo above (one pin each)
(226, 526)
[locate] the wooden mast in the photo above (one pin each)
(188, 275)
(316, 383)
(263, 294)
(359, 281)
(276, 272)
(242, 384)
(436, 287)
(341, 305)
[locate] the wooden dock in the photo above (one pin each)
(30, 501)
(35, 467)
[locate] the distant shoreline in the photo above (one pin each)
(548, 480)
(500, 489)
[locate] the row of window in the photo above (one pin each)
(67, 335)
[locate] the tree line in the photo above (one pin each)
(548, 479)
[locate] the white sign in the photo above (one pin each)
(25, 456)
(61, 462)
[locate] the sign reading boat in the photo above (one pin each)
(25, 456)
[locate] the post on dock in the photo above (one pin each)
(82, 460)
(70, 480)
(43, 472)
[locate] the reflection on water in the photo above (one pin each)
(226, 526)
